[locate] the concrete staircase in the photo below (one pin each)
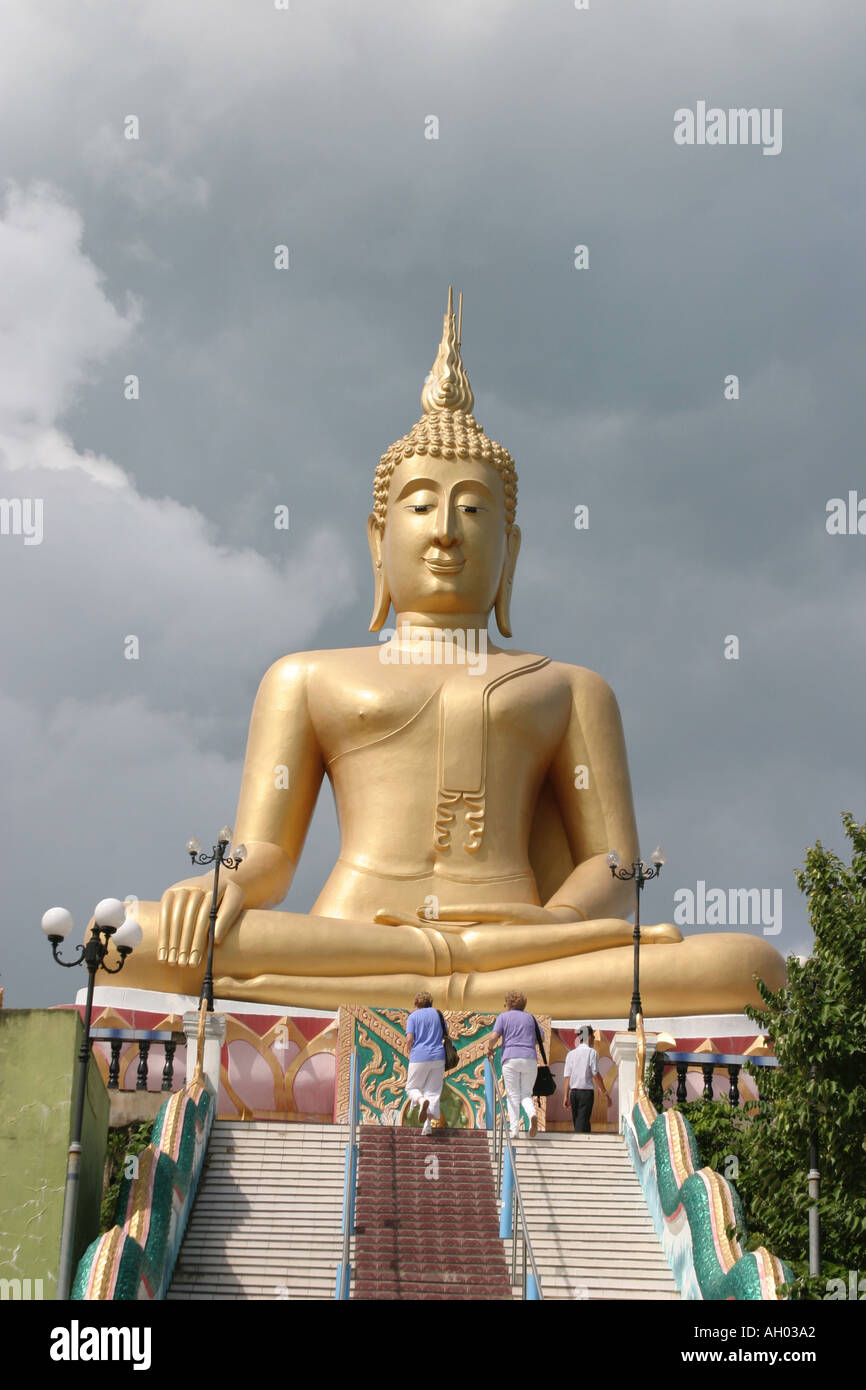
(267, 1214)
(266, 1219)
(426, 1218)
(591, 1231)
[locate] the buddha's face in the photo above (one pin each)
(445, 545)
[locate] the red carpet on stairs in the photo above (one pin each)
(426, 1217)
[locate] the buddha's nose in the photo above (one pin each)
(447, 524)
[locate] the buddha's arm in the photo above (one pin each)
(598, 817)
(282, 774)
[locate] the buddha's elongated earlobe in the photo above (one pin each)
(503, 596)
(381, 595)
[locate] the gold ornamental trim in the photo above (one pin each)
(383, 1079)
(104, 1266)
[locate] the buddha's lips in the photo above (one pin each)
(442, 567)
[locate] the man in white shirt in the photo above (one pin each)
(579, 1073)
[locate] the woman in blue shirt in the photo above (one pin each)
(426, 1073)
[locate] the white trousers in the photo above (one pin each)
(519, 1074)
(424, 1082)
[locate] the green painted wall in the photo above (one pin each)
(38, 1070)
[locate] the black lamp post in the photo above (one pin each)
(218, 858)
(641, 873)
(109, 923)
(814, 1183)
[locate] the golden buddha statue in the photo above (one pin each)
(472, 861)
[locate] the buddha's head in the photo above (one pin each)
(442, 534)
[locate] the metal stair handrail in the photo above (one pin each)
(508, 1186)
(350, 1179)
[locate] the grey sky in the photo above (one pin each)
(258, 387)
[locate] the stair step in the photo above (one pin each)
(278, 1270)
(203, 1248)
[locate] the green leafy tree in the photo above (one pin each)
(818, 1027)
(125, 1142)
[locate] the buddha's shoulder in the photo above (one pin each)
(586, 685)
(299, 668)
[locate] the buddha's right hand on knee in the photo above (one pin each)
(261, 880)
(184, 917)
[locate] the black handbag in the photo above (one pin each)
(452, 1056)
(545, 1081)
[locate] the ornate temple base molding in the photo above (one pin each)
(678, 1025)
(160, 1002)
(280, 1062)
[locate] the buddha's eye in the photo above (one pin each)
(421, 507)
(471, 508)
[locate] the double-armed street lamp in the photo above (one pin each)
(219, 858)
(641, 873)
(110, 924)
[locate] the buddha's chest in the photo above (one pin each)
(459, 719)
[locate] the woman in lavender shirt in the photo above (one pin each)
(516, 1028)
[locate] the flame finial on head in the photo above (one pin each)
(447, 385)
(447, 428)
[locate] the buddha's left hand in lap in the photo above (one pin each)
(476, 914)
(526, 914)
(461, 915)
